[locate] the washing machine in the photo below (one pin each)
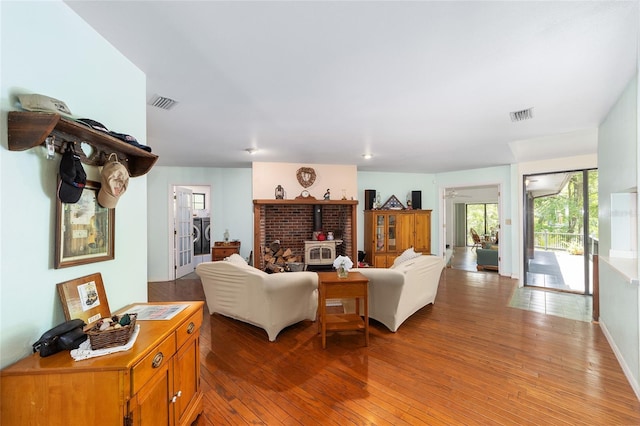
(206, 235)
(197, 236)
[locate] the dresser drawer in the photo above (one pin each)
(219, 253)
(149, 365)
(188, 328)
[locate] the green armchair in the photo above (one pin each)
(487, 257)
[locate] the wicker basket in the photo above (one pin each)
(110, 338)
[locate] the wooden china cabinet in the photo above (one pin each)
(155, 383)
(387, 233)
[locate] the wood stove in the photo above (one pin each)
(320, 253)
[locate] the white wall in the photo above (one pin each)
(335, 177)
(72, 63)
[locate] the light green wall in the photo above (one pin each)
(617, 165)
(45, 48)
(500, 176)
(231, 208)
(400, 185)
(232, 205)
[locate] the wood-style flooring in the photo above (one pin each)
(468, 359)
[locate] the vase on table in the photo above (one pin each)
(342, 272)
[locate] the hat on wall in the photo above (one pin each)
(72, 177)
(42, 103)
(114, 179)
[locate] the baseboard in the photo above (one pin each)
(625, 368)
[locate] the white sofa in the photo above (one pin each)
(269, 301)
(397, 292)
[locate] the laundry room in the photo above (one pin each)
(201, 224)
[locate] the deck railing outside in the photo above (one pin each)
(563, 241)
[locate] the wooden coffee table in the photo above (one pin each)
(355, 286)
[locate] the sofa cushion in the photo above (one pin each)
(408, 254)
(237, 259)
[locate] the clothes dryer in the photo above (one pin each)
(197, 236)
(206, 235)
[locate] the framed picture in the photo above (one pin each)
(85, 230)
(84, 298)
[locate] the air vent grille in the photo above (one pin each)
(162, 102)
(521, 115)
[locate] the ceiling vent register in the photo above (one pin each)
(162, 102)
(525, 114)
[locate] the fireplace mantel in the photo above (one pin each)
(306, 201)
(260, 218)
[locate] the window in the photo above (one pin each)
(198, 201)
(483, 217)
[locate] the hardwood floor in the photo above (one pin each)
(469, 359)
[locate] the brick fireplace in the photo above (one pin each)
(292, 222)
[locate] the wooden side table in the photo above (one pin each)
(355, 286)
(222, 249)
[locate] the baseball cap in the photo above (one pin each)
(130, 140)
(114, 179)
(72, 177)
(42, 103)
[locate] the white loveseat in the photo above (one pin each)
(269, 301)
(398, 292)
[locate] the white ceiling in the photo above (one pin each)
(422, 86)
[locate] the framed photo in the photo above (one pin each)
(84, 230)
(84, 298)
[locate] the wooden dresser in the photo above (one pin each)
(155, 383)
(222, 249)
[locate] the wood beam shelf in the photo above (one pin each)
(30, 129)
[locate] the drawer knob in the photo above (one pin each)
(176, 396)
(191, 328)
(157, 360)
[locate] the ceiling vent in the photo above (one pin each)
(162, 102)
(522, 115)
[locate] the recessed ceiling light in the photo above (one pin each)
(367, 156)
(251, 150)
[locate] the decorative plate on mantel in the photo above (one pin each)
(306, 176)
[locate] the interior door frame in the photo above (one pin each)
(173, 233)
(442, 220)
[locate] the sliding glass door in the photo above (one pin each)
(561, 230)
(484, 219)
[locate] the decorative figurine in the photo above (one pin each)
(327, 195)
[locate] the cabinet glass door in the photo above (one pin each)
(391, 241)
(380, 234)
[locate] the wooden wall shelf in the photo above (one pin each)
(30, 129)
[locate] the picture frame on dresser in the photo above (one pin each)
(84, 298)
(85, 230)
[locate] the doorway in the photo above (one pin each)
(190, 236)
(465, 207)
(561, 230)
